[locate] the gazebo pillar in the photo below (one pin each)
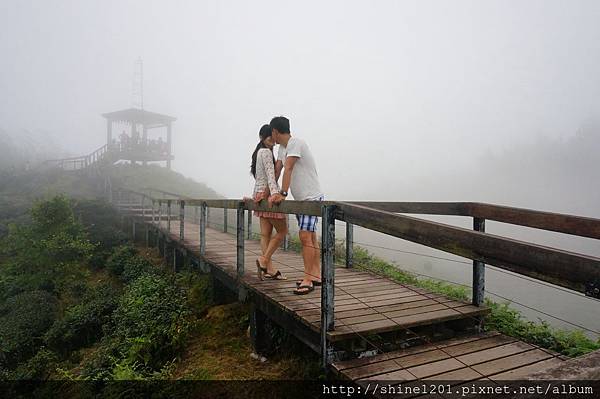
(108, 132)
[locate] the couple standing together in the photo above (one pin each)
(300, 177)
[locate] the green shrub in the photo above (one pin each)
(99, 365)
(120, 256)
(24, 318)
(127, 264)
(101, 222)
(200, 297)
(47, 253)
(83, 323)
(136, 267)
(38, 367)
(151, 321)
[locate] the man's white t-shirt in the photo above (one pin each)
(305, 179)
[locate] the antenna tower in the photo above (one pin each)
(137, 91)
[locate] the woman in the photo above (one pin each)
(263, 170)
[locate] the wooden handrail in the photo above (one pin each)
(83, 160)
(558, 222)
(556, 266)
(563, 268)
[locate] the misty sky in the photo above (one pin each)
(383, 91)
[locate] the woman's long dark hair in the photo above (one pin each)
(265, 131)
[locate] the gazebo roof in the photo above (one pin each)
(134, 115)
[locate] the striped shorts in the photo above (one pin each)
(309, 222)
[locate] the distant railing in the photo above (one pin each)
(576, 271)
(80, 162)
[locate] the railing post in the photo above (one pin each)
(286, 239)
(153, 214)
(240, 240)
(143, 208)
(225, 220)
(478, 268)
(203, 221)
(182, 220)
(144, 220)
(153, 223)
(327, 277)
(349, 245)
(158, 223)
(249, 233)
(168, 216)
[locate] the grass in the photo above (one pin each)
(220, 349)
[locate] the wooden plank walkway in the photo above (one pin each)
(365, 303)
(491, 356)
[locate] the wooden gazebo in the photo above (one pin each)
(132, 143)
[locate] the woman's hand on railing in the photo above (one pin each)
(275, 199)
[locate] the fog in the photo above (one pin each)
(494, 101)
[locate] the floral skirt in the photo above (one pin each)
(262, 214)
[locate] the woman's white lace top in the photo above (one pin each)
(265, 172)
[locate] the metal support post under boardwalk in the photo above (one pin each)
(249, 232)
(240, 240)
(168, 217)
(478, 268)
(327, 277)
(240, 250)
(203, 222)
(182, 220)
(349, 245)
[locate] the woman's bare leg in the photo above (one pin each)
(266, 230)
(282, 229)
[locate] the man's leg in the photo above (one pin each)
(308, 254)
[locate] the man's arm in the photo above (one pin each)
(287, 179)
(278, 167)
(287, 175)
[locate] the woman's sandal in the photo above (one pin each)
(276, 276)
(304, 289)
(260, 270)
(315, 283)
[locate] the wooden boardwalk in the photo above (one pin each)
(366, 306)
(365, 303)
(491, 356)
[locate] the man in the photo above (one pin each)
(300, 176)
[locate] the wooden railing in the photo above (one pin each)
(80, 162)
(576, 271)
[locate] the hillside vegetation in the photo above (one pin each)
(79, 301)
(137, 178)
(18, 191)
